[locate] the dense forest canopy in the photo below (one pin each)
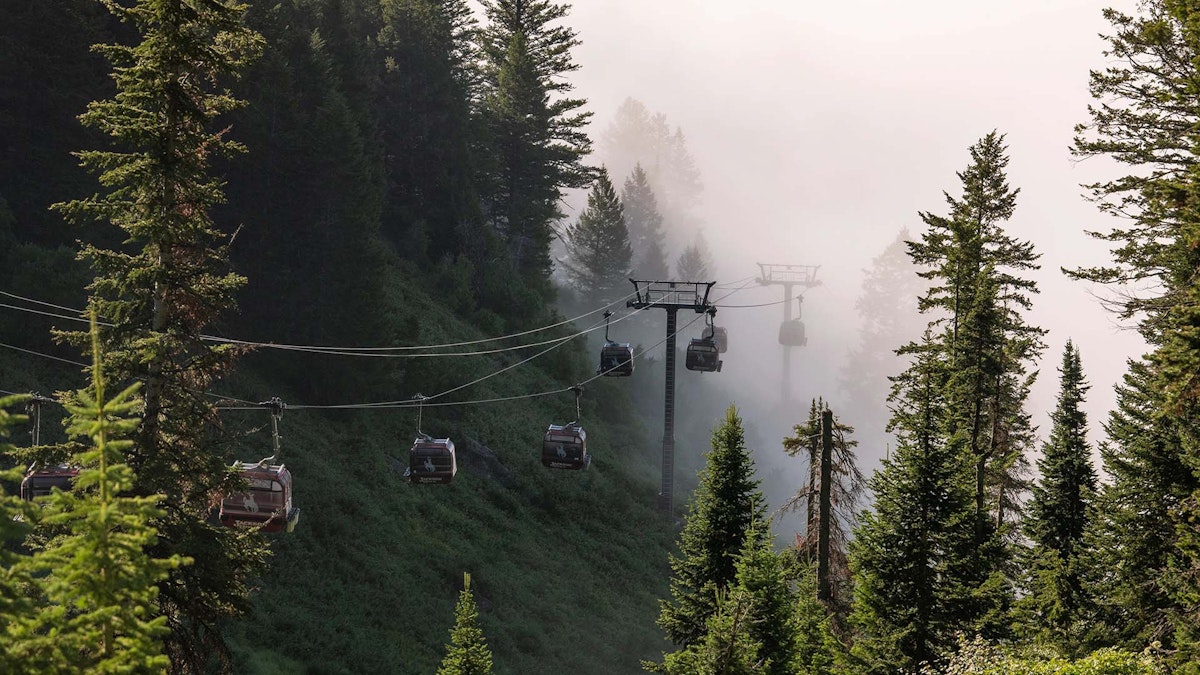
(339, 273)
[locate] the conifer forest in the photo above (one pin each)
(517, 337)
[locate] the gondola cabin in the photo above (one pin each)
(41, 482)
(702, 355)
(616, 359)
(565, 447)
(267, 502)
(791, 333)
(719, 335)
(431, 460)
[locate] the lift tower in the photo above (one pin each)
(788, 276)
(671, 296)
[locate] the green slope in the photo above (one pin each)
(567, 566)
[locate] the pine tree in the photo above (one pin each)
(15, 518)
(645, 226)
(1145, 117)
(598, 250)
(1136, 512)
(467, 653)
(167, 285)
(846, 487)
(636, 136)
(1059, 514)
(695, 263)
(728, 646)
(773, 621)
(535, 129)
(977, 296)
(887, 310)
(723, 508)
(910, 556)
(99, 583)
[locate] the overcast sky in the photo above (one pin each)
(821, 129)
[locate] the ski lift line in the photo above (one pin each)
(37, 302)
(247, 405)
(481, 352)
(45, 356)
(337, 351)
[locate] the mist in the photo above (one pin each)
(820, 130)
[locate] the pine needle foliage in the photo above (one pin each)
(536, 128)
(467, 653)
(599, 257)
(645, 224)
(1059, 514)
(16, 516)
(1145, 117)
(97, 581)
(168, 284)
(725, 505)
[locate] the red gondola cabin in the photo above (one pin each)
(41, 482)
(267, 504)
(565, 447)
(702, 355)
(616, 359)
(431, 460)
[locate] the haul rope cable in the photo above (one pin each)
(372, 354)
(408, 403)
(316, 348)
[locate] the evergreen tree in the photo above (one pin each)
(695, 263)
(598, 250)
(773, 607)
(430, 80)
(887, 310)
(846, 486)
(911, 556)
(1145, 118)
(636, 137)
(535, 129)
(977, 296)
(1059, 514)
(166, 286)
(15, 516)
(645, 226)
(1136, 534)
(99, 583)
(723, 508)
(467, 653)
(728, 646)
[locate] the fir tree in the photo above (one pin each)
(535, 128)
(1145, 117)
(645, 226)
(1136, 512)
(773, 621)
(1059, 514)
(887, 310)
(723, 508)
(467, 653)
(695, 263)
(728, 646)
(910, 556)
(167, 285)
(598, 250)
(98, 581)
(15, 518)
(977, 297)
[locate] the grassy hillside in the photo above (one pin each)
(567, 566)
